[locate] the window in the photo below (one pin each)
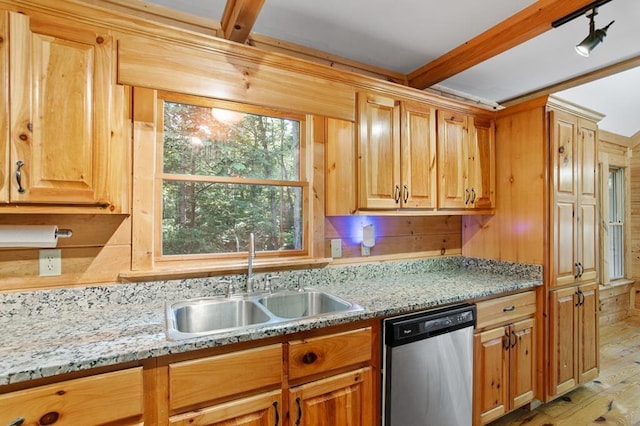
(228, 170)
(616, 187)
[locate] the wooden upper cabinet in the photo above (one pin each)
(418, 153)
(452, 153)
(397, 154)
(575, 227)
(379, 152)
(340, 173)
(466, 161)
(60, 79)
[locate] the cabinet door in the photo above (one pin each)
(260, 410)
(491, 349)
(379, 152)
(563, 343)
(564, 159)
(340, 172)
(345, 399)
(60, 80)
(452, 165)
(588, 352)
(418, 167)
(522, 363)
(587, 224)
(481, 164)
(4, 108)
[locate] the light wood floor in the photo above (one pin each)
(612, 399)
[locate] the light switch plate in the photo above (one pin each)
(336, 248)
(50, 262)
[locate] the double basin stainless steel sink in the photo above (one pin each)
(211, 315)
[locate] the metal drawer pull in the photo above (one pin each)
(275, 405)
(299, 411)
(509, 308)
(309, 358)
(17, 422)
(19, 176)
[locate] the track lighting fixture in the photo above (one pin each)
(594, 38)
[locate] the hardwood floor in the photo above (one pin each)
(612, 399)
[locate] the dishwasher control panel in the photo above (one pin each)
(429, 323)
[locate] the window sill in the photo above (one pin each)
(617, 283)
(234, 267)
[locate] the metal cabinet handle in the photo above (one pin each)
(17, 422)
(396, 194)
(580, 269)
(509, 308)
(299, 411)
(466, 198)
(580, 298)
(577, 294)
(406, 193)
(275, 406)
(473, 196)
(19, 176)
(515, 339)
(577, 270)
(309, 358)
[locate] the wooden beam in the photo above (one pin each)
(238, 19)
(603, 72)
(524, 25)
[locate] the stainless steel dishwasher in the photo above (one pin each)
(428, 368)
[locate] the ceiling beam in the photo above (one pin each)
(238, 19)
(524, 25)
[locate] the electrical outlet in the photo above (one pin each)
(50, 262)
(336, 248)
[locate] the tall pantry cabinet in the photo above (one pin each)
(547, 214)
(573, 298)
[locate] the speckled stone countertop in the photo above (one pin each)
(51, 332)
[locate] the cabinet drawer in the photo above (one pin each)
(98, 399)
(207, 379)
(505, 309)
(320, 354)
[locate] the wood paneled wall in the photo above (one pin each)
(98, 251)
(396, 236)
(516, 233)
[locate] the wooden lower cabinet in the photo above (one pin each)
(325, 379)
(505, 362)
(574, 352)
(345, 399)
(109, 398)
(260, 410)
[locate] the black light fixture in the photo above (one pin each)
(594, 38)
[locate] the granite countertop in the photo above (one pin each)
(46, 333)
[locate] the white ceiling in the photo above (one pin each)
(402, 36)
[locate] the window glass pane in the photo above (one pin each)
(616, 222)
(208, 141)
(202, 217)
(616, 258)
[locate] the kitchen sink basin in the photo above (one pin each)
(296, 304)
(207, 315)
(210, 315)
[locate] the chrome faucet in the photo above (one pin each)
(252, 255)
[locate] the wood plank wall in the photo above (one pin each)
(635, 224)
(96, 253)
(419, 235)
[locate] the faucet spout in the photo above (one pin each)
(252, 255)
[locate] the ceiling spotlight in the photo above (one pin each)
(594, 38)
